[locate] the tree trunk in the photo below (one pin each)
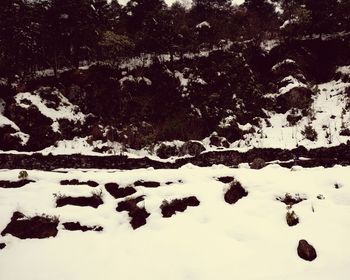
(55, 70)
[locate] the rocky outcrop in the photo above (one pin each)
(191, 148)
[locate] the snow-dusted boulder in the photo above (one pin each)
(192, 148)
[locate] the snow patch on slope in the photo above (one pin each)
(64, 110)
(329, 117)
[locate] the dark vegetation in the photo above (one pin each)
(290, 200)
(14, 184)
(178, 205)
(292, 219)
(114, 190)
(92, 201)
(226, 179)
(147, 184)
(53, 33)
(215, 47)
(31, 227)
(137, 214)
(76, 226)
(77, 182)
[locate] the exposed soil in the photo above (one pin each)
(235, 193)
(92, 201)
(31, 227)
(114, 190)
(77, 182)
(147, 184)
(290, 200)
(137, 214)
(226, 179)
(14, 184)
(178, 205)
(75, 226)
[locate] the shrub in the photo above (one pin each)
(292, 218)
(345, 132)
(23, 175)
(293, 119)
(309, 133)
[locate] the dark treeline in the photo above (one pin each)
(41, 34)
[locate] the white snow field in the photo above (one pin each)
(247, 240)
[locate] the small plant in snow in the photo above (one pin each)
(309, 133)
(292, 218)
(23, 175)
(97, 193)
(59, 196)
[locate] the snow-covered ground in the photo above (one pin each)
(216, 240)
(63, 110)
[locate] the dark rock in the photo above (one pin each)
(49, 97)
(114, 190)
(218, 141)
(225, 143)
(166, 151)
(147, 184)
(231, 132)
(2, 246)
(178, 205)
(8, 139)
(299, 97)
(215, 140)
(137, 214)
(235, 193)
(36, 227)
(75, 226)
(93, 201)
(15, 184)
(257, 163)
(192, 148)
(306, 251)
